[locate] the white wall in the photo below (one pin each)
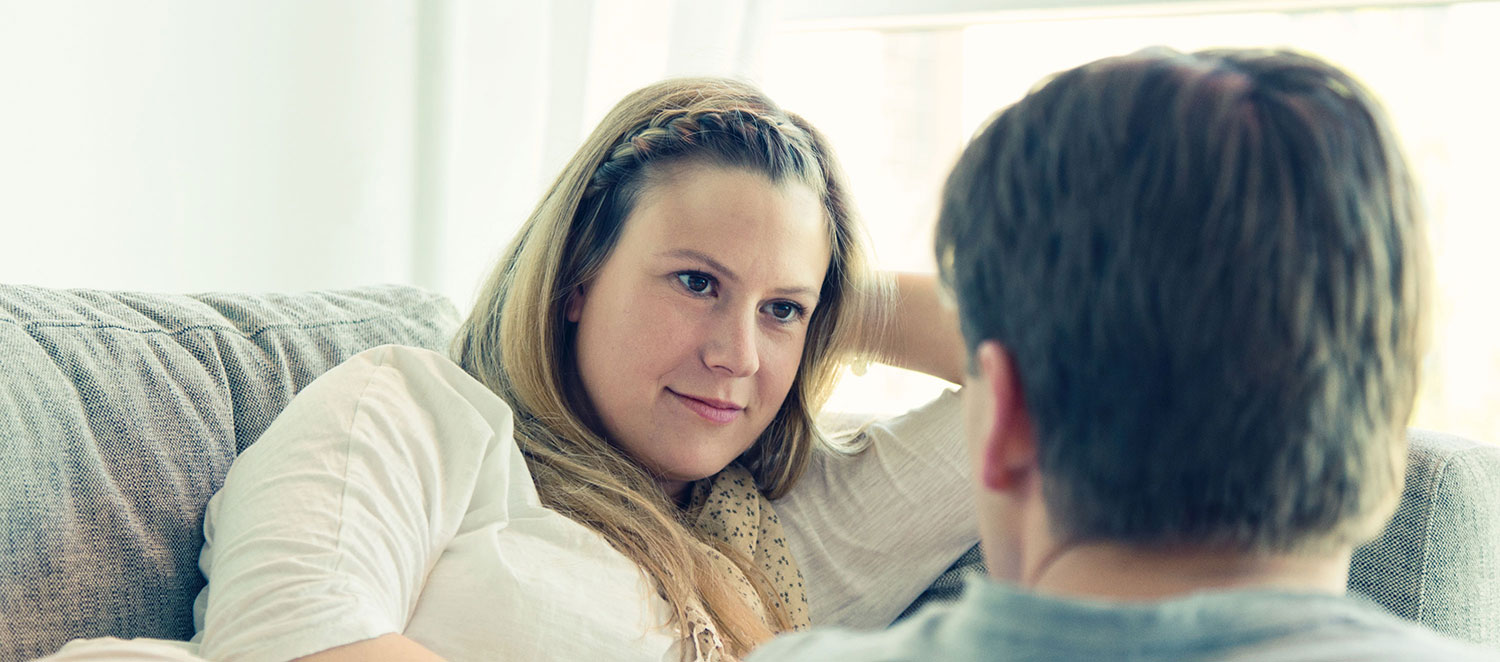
(190, 145)
(255, 146)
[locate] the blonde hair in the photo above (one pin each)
(519, 343)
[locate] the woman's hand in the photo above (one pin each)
(923, 332)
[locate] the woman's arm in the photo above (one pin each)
(872, 530)
(923, 333)
(389, 648)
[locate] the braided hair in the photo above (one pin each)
(739, 137)
(778, 144)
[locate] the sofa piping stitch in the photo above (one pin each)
(1436, 481)
(35, 324)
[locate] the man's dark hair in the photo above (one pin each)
(1206, 270)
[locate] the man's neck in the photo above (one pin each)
(1120, 573)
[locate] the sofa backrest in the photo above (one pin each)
(1437, 562)
(119, 416)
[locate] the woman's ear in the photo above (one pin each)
(575, 305)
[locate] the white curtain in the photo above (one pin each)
(518, 87)
(178, 145)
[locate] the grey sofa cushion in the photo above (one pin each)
(1436, 563)
(119, 416)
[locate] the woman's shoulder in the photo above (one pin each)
(394, 375)
(398, 405)
(399, 358)
(328, 527)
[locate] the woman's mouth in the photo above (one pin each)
(714, 411)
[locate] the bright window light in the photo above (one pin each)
(900, 101)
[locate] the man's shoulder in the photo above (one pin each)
(994, 623)
(1364, 632)
(911, 639)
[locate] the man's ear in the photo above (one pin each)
(1008, 454)
(575, 304)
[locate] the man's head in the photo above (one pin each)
(1190, 283)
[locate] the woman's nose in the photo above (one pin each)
(731, 348)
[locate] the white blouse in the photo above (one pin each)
(389, 496)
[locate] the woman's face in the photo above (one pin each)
(690, 336)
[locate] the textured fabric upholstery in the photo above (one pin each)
(950, 584)
(119, 416)
(1437, 562)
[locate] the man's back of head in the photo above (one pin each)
(1205, 270)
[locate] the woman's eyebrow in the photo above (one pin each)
(700, 256)
(729, 274)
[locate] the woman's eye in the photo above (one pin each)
(785, 311)
(696, 283)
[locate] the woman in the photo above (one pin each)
(638, 379)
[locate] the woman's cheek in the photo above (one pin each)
(659, 321)
(782, 364)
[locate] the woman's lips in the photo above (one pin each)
(713, 411)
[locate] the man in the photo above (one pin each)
(1190, 290)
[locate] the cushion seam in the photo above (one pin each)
(1429, 508)
(29, 326)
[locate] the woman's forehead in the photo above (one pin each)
(737, 218)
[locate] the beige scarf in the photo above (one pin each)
(728, 508)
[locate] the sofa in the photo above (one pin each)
(121, 412)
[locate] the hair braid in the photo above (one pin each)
(678, 133)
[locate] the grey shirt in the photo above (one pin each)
(993, 621)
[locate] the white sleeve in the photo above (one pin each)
(870, 531)
(113, 649)
(326, 527)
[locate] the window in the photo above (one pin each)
(900, 96)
